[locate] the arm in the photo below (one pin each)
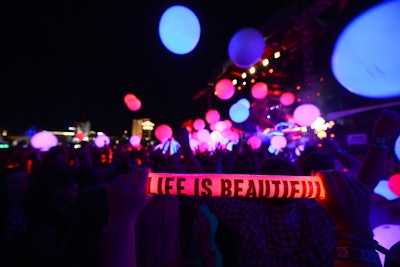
(126, 196)
(192, 164)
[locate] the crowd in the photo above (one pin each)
(90, 207)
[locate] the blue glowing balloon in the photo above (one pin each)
(366, 57)
(239, 112)
(179, 29)
(246, 47)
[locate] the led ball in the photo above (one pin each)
(228, 124)
(128, 98)
(259, 90)
(394, 183)
(278, 142)
(224, 89)
(366, 57)
(134, 104)
(220, 126)
(239, 113)
(246, 47)
(215, 136)
(44, 140)
(254, 142)
(203, 135)
(306, 114)
(397, 148)
(212, 116)
(199, 124)
(179, 29)
(135, 140)
(287, 98)
(102, 141)
(163, 133)
(244, 101)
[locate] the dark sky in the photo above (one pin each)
(62, 61)
(65, 60)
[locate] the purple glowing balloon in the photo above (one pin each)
(44, 140)
(101, 141)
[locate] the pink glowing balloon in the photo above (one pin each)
(44, 140)
(134, 140)
(134, 104)
(102, 140)
(394, 183)
(254, 142)
(212, 116)
(215, 136)
(224, 89)
(199, 124)
(306, 114)
(246, 47)
(287, 98)
(220, 126)
(228, 123)
(163, 132)
(259, 90)
(278, 141)
(128, 98)
(203, 135)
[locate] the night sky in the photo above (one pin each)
(62, 61)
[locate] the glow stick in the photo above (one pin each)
(236, 185)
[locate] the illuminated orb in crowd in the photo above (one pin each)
(215, 137)
(244, 101)
(366, 57)
(199, 124)
(224, 89)
(397, 148)
(287, 98)
(102, 141)
(163, 133)
(306, 114)
(128, 98)
(134, 104)
(203, 135)
(44, 140)
(246, 47)
(228, 124)
(394, 183)
(220, 126)
(278, 142)
(259, 90)
(254, 142)
(179, 29)
(135, 140)
(382, 188)
(212, 116)
(239, 112)
(387, 235)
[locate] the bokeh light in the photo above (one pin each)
(224, 89)
(306, 114)
(163, 133)
(259, 90)
(44, 140)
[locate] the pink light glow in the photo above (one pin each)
(134, 140)
(236, 185)
(203, 135)
(255, 142)
(199, 124)
(128, 98)
(306, 114)
(394, 183)
(102, 140)
(278, 142)
(212, 116)
(134, 104)
(163, 132)
(224, 89)
(287, 98)
(44, 140)
(259, 90)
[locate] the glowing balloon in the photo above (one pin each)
(244, 101)
(259, 90)
(134, 104)
(203, 135)
(102, 140)
(44, 140)
(199, 124)
(366, 58)
(220, 126)
(394, 183)
(254, 142)
(163, 132)
(228, 124)
(246, 47)
(212, 116)
(278, 142)
(134, 140)
(382, 188)
(224, 89)
(306, 114)
(215, 136)
(128, 98)
(179, 29)
(287, 98)
(386, 235)
(397, 148)
(239, 113)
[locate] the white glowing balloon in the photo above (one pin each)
(179, 29)
(306, 114)
(215, 136)
(44, 140)
(366, 57)
(386, 235)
